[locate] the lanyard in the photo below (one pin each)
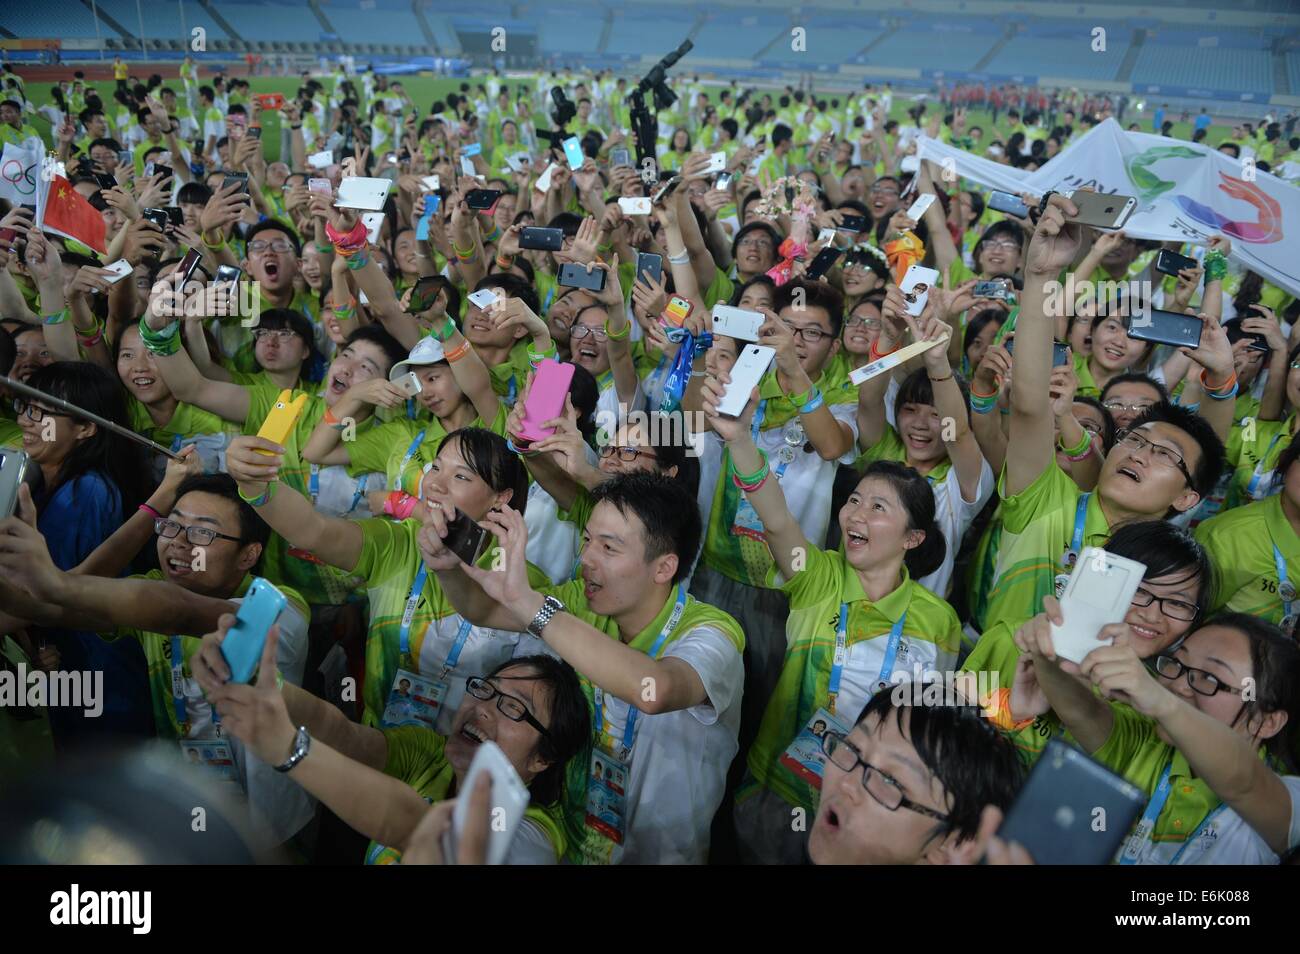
(404, 634)
(1257, 477)
(1148, 823)
(406, 458)
(842, 654)
(510, 394)
(313, 482)
(453, 657)
(783, 460)
(1076, 540)
(178, 685)
(1285, 589)
(358, 494)
(629, 728)
(1196, 835)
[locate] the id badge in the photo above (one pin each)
(747, 523)
(413, 700)
(804, 755)
(607, 781)
(1138, 840)
(216, 754)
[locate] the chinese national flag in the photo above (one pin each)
(66, 212)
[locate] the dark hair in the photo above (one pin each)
(817, 294)
(1007, 227)
(584, 392)
(313, 366)
(1165, 549)
(569, 732)
(772, 233)
(1107, 423)
(975, 764)
(670, 515)
(106, 141)
(118, 459)
(1136, 377)
(1290, 454)
(8, 351)
(918, 500)
(781, 133)
(1208, 468)
(916, 389)
(193, 193)
(513, 286)
(377, 336)
(252, 528)
(756, 280)
(976, 325)
(489, 456)
(274, 225)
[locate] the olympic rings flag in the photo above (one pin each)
(1186, 192)
(20, 172)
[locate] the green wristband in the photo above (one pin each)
(1216, 267)
(164, 342)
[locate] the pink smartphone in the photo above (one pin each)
(545, 400)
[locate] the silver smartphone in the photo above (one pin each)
(13, 468)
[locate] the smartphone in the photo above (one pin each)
(665, 189)
(483, 199)
(1101, 211)
(270, 100)
(424, 294)
(321, 160)
(745, 375)
(1012, 205)
(157, 216)
(105, 181)
(124, 158)
(577, 276)
(364, 193)
(188, 265)
(853, 223)
(431, 183)
(1171, 263)
(634, 205)
(573, 152)
(543, 182)
(174, 215)
(228, 273)
(242, 647)
(918, 208)
(409, 384)
(282, 417)
(1256, 341)
(676, 312)
(649, 262)
(1060, 352)
(1053, 816)
(518, 162)
(238, 178)
(160, 170)
(997, 288)
(910, 163)
(547, 240)
(915, 286)
(509, 801)
(723, 182)
(120, 269)
(254, 132)
(736, 322)
(822, 263)
(717, 163)
(1098, 593)
(13, 468)
(1166, 327)
(482, 298)
(470, 149)
(373, 221)
(465, 538)
(431, 205)
(545, 400)
(321, 186)
(619, 156)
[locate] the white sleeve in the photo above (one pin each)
(717, 662)
(531, 846)
(848, 413)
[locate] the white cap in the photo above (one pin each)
(427, 350)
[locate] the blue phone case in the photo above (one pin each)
(573, 152)
(243, 644)
(472, 149)
(431, 203)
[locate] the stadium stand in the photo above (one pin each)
(282, 22)
(374, 22)
(163, 21)
(70, 20)
(1235, 70)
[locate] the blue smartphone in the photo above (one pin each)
(243, 644)
(471, 149)
(431, 203)
(573, 152)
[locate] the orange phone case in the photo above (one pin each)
(279, 423)
(270, 100)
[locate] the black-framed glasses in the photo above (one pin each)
(880, 786)
(1202, 682)
(626, 454)
(1173, 608)
(1116, 407)
(871, 324)
(512, 707)
(34, 412)
(578, 332)
(1160, 453)
(276, 245)
(811, 334)
(199, 536)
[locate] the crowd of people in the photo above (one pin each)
(685, 629)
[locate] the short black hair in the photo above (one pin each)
(490, 457)
(513, 286)
(1275, 665)
(376, 335)
(252, 528)
(1207, 470)
(1166, 549)
(973, 761)
(8, 351)
(816, 294)
(193, 193)
(670, 515)
(274, 225)
(1136, 377)
(917, 497)
(917, 389)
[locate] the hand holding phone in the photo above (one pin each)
(509, 799)
(280, 421)
(242, 647)
(1098, 593)
(746, 373)
(545, 401)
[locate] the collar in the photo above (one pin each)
(892, 606)
(646, 638)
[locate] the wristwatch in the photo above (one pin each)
(301, 746)
(550, 606)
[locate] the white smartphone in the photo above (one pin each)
(432, 183)
(754, 166)
(1099, 592)
(634, 205)
(918, 207)
(120, 269)
(508, 802)
(518, 161)
(359, 192)
(736, 322)
(745, 375)
(483, 298)
(543, 182)
(373, 221)
(910, 164)
(321, 160)
(717, 163)
(322, 186)
(916, 287)
(409, 384)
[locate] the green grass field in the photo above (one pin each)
(426, 89)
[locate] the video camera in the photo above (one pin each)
(644, 122)
(562, 112)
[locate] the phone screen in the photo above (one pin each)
(465, 538)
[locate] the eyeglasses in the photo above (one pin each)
(884, 190)
(199, 536)
(512, 707)
(1160, 453)
(1116, 406)
(883, 788)
(1008, 244)
(1174, 609)
(578, 332)
(811, 334)
(871, 324)
(1202, 682)
(35, 413)
(279, 245)
(755, 243)
(280, 334)
(626, 454)
(1092, 427)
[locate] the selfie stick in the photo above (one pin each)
(20, 388)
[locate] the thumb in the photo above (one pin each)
(26, 508)
(266, 669)
(473, 845)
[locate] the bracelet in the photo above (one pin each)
(299, 126)
(164, 342)
(446, 331)
(753, 479)
(455, 354)
(1080, 450)
(1084, 455)
(493, 235)
(813, 404)
(802, 399)
(400, 504)
(1223, 395)
(983, 405)
(462, 253)
(258, 501)
(323, 249)
(1216, 266)
(975, 394)
(1220, 390)
(58, 318)
(206, 244)
(941, 380)
(875, 354)
(357, 260)
(682, 259)
(627, 330)
(147, 509)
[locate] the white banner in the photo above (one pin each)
(20, 173)
(1186, 192)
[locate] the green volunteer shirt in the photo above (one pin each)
(720, 289)
(186, 423)
(11, 435)
(137, 155)
(1037, 527)
(891, 447)
(1241, 545)
(389, 563)
(982, 569)
(384, 448)
(1253, 451)
(694, 615)
(1087, 386)
(816, 594)
(509, 376)
(158, 656)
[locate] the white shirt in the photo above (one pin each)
(1228, 840)
(483, 651)
(953, 513)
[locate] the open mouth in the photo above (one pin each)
(1130, 473)
(1115, 354)
(337, 385)
(473, 734)
(178, 566)
(588, 354)
(590, 589)
(920, 441)
(272, 270)
(855, 540)
(1143, 632)
(144, 382)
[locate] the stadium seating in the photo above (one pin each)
(162, 20)
(51, 20)
(1049, 56)
(570, 30)
(381, 21)
(285, 21)
(729, 37)
(921, 48)
(650, 35)
(1235, 70)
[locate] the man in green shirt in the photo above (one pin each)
(12, 128)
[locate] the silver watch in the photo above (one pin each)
(550, 606)
(301, 746)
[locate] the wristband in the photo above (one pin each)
(1220, 390)
(358, 259)
(983, 405)
(455, 354)
(1216, 266)
(875, 354)
(258, 501)
(801, 399)
(463, 254)
(400, 504)
(206, 244)
(941, 380)
(323, 249)
(1082, 456)
(149, 510)
(345, 243)
(998, 711)
(682, 259)
(749, 481)
(816, 401)
(1080, 450)
(612, 336)
(58, 318)
(164, 342)
(446, 331)
(493, 235)
(505, 262)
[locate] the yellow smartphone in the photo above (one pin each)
(279, 422)
(678, 310)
